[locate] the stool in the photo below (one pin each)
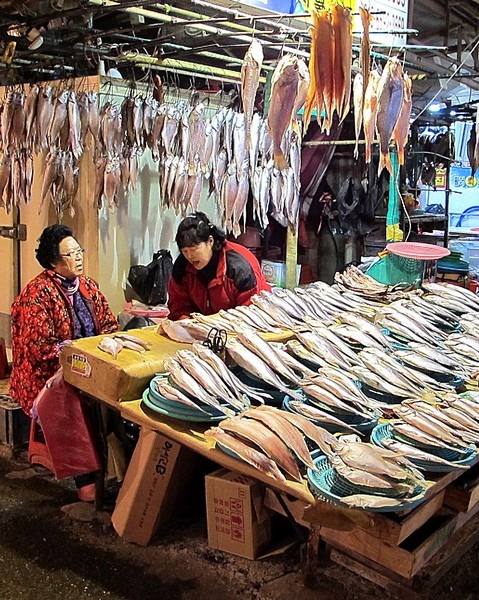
(38, 453)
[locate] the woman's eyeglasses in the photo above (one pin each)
(74, 253)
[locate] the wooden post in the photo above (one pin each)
(291, 256)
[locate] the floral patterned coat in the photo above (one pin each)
(42, 318)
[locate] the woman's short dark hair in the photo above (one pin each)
(48, 251)
(197, 228)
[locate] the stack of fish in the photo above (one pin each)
(353, 279)
(114, 344)
(365, 476)
(271, 440)
(198, 378)
(274, 442)
(436, 437)
(265, 362)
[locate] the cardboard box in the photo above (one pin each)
(156, 476)
(275, 272)
(238, 521)
(110, 379)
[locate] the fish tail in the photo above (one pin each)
(280, 161)
(385, 162)
(368, 154)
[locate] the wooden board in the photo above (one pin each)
(192, 436)
(407, 558)
(392, 528)
(463, 494)
(416, 587)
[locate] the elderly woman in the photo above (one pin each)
(58, 305)
(211, 273)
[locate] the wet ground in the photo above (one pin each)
(54, 548)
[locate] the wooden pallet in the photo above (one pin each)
(392, 528)
(418, 586)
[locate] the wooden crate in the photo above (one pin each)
(14, 423)
(463, 494)
(391, 528)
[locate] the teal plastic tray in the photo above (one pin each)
(325, 482)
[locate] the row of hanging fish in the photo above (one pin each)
(329, 66)
(383, 106)
(36, 120)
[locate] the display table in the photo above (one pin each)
(400, 543)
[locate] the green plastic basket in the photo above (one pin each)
(393, 269)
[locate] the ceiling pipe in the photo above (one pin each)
(173, 64)
(203, 27)
(266, 19)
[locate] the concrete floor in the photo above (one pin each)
(54, 548)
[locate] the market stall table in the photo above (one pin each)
(377, 536)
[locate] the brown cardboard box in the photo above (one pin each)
(238, 521)
(110, 379)
(156, 475)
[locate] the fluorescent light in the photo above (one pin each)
(435, 108)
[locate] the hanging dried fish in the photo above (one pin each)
(250, 72)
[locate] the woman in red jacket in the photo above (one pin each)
(211, 273)
(58, 305)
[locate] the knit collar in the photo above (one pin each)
(69, 286)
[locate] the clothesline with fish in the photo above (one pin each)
(241, 154)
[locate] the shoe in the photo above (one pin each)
(87, 493)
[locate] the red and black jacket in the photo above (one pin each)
(238, 277)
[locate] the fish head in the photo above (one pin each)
(255, 51)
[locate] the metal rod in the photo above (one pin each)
(223, 78)
(391, 32)
(171, 63)
(336, 142)
(409, 47)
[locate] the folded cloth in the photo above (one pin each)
(65, 426)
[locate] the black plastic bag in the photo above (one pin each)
(150, 282)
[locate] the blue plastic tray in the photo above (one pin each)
(460, 458)
(325, 482)
(200, 417)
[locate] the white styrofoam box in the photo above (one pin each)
(275, 272)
